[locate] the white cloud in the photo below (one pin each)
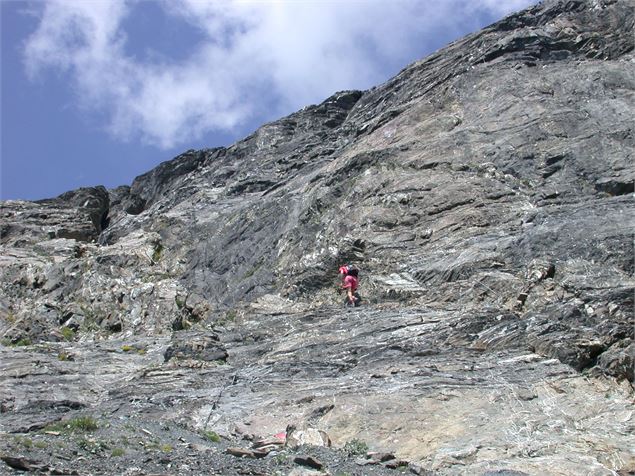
(253, 55)
(500, 8)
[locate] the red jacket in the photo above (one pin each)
(351, 282)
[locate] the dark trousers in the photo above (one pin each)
(356, 297)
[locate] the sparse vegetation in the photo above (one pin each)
(10, 317)
(155, 445)
(180, 301)
(78, 424)
(67, 333)
(64, 356)
(356, 447)
(24, 341)
(229, 317)
(91, 445)
(211, 436)
(89, 322)
(132, 348)
(117, 452)
(157, 253)
(23, 441)
(84, 423)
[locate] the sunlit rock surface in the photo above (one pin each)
(485, 193)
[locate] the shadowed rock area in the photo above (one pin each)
(189, 323)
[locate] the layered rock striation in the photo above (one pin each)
(486, 195)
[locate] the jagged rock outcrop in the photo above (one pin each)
(80, 215)
(486, 194)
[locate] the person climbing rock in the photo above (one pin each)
(350, 283)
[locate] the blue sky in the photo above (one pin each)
(96, 92)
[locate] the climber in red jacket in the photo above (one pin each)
(350, 282)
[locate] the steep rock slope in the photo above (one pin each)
(486, 194)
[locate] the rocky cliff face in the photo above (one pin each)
(485, 193)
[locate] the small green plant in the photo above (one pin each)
(132, 348)
(67, 333)
(82, 423)
(89, 323)
(22, 441)
(229, 317)
(157, 253)
(84, 444)
(24, 341)
(355, 447)
(91, 445)
(155, 445)
(41, 444)
(64, 356)
(211, 436)
(118, 452)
